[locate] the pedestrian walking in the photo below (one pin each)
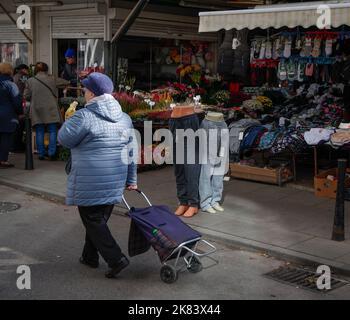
(10, 108)
(20, 78)
(103, 149)
(41, 91)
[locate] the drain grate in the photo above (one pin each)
(6, 207)
(302, 278)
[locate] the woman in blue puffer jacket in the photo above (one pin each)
(10, 108)
(104, 163)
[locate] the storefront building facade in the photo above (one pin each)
(155, 36)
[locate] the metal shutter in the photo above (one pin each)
(10, 34)
(74, 27)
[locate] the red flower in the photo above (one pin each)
(156, 97)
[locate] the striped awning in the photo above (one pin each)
(304, 15)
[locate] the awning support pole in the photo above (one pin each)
(141, 4)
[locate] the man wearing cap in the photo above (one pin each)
(70, 68)
(104, 163)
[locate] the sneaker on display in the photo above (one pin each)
(210, 210)
(219, 208)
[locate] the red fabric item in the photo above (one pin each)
(253, 77)
(235, 87)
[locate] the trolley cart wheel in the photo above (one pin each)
(168, 274)
(195, 266)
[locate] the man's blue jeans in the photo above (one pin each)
(40, 134)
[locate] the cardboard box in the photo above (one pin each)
(327, 188)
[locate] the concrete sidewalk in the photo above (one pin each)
(283, 222)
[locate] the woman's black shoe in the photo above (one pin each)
(113, 272)
(89, 264)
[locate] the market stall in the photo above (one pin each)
(294, 102)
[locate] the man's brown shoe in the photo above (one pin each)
(181, 210)
(191, 212)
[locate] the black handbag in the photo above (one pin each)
(68, 166)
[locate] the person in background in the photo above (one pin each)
(100, 136)
(10, 108)
(41, 91)
(69, 72)
(20, 78)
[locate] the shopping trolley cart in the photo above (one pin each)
(171, 238)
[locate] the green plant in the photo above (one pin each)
(222, 97)
(130, 83)
(196, 77)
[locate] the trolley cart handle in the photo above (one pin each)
(139, 192)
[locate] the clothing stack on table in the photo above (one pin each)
(290, 126)
(340, 138)
(237, 130)
(318, 136)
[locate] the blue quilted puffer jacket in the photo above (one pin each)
(104, 153)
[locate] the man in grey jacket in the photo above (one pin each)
(104, 162)
(41, 91)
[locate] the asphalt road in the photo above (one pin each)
(48, 237)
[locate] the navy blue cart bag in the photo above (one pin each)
(159, 227)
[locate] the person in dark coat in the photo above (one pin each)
(20, 78)
(10, 108)
(70, 68)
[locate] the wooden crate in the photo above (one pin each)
(273, 176)
(327, 188)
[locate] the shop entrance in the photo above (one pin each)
(62, 46)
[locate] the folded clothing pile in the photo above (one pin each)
(340, 138)
(317, 136)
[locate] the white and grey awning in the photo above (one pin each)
(304, 15)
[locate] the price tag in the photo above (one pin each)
(241, 136)
(282, 121)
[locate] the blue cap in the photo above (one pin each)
(98, 84)
(70, 53)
